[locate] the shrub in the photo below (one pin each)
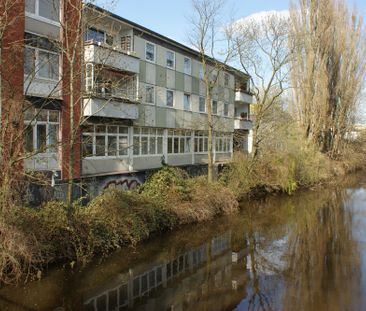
(168, 181)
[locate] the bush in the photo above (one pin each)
(167, 182)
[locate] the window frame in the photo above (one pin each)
(153, 95)
(166, 59)
(33, 123)
(189, 72)
(106, 134)
(36, 15)
(212, 107)
(184, 136)
(226, 109)
(204, 104)
(173, 103)
(148, 60)
(188, 96)
(37, 64)
(153, 133)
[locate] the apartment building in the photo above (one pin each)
(112, 99)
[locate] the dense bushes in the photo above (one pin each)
(32, 238)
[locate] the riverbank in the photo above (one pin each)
(32, 239)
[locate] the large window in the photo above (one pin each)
(170, 59)
(147, 141)
(41, 130)
(202, 105)
(187, 102)
(126, 43)
(187, 66)
(223, 142)
(170, 98)
(41, 63)
(150, 52)
(45, 9)
(200, 142)
(179, 141)
(105, 141)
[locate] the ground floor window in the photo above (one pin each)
(147, 141)
(105, 141)
(179, 141)
(223, 142)
(201, 142)
(41, 130)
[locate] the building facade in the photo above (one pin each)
(107, 100)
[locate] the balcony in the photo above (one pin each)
(243, 97)
(107, 56)
(243, 124)
(105, 100)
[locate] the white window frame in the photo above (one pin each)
(200, 142)
(187, 95)
(226, 114)
(148, 60)
(33, 122)
(166, 93)
(185, 70)
(106, 134)
(217, 107)
(166, 59)
(36, 15)
(154, 94)
(184, 138)
(204, 104)
(37, 64)
(153, 133)
(223, 143)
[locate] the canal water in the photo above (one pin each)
(305, 252)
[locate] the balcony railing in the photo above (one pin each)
(119, 93)
(243, 124)
(243, 96)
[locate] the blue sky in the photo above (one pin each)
(169, 17)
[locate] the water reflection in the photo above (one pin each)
(307, 252)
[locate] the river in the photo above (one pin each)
(304, 252)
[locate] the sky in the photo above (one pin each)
(170, 17)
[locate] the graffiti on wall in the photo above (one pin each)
(122, 182)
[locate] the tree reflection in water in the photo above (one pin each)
(322, 258)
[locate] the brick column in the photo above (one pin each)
(12, 87)
(72, 51)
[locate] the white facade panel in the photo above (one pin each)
(110, 109)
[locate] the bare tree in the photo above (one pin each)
(327, 71)
(212, 40)
(262, 50)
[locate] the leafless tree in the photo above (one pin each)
(262, 50)
(209, 36)
(328, 70)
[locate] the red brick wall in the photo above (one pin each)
(12, 82)
(71, 88)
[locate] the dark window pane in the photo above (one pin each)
(41, 137)
(100, 146)
(28, 139)
(112, 146)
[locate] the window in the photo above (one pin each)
(179, 141)
(94, 35)
(41, 130)
(214, 107)
(170, 59)
(226, 79)
(170, 98)
(187, 102)
(149, 94)
(147, 141)
(109, 39)
(201, 73)
(187, 66)
(202, 105)
(200, 142)
(126, 43)
(226, 109)
(223, 142)
(41, 63)
(105, 141)
(46, 9)
(150, 52)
